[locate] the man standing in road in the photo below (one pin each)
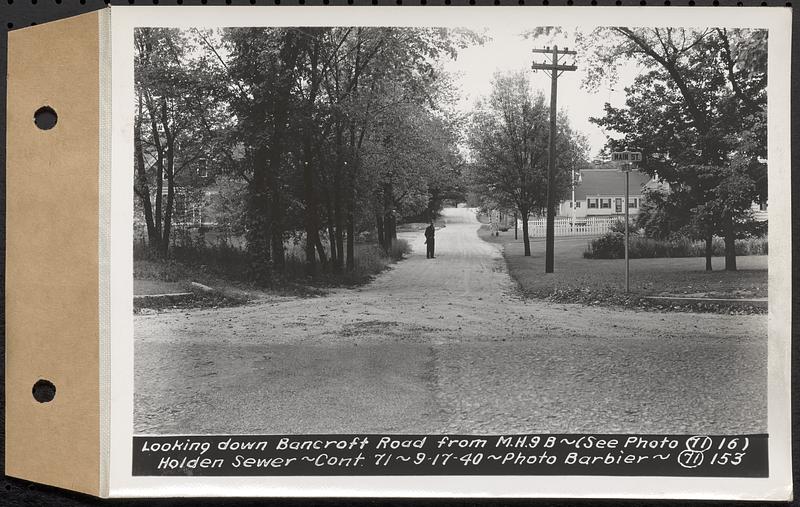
(429, 239)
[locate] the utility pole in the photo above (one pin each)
(554, 69)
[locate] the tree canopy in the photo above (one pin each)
(508, 140)
(332, 131)
(697, 112)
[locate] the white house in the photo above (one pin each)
(600, 192)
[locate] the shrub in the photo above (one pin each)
(220, 258)
(399, 248)
(369, 260)
(619, 226)
(752, 246)
(612, 246)
(195, 257)
(166, 271)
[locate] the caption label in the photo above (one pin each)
(638, 455)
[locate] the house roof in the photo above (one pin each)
(607, 182)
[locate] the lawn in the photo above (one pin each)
(602, 281)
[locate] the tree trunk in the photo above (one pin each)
(351, 260)
(311, 211)
(393, 229)
(276, 116)
(170, 175)
(389, 230)
(278, 252)
(526, 240)
(388, 216)
(311, 256)
(730, 244)
(257, 230)
(158, 218)
(339, 218)
(274, 194)
(332, 240)
(141, 187)
(165, 237)
(310, 197)
(379, 227)
(321, 252)
(516, 226)
(338, 212)
(311, 214)
(331, 232)
(709, 249)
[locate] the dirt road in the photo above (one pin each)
(443, 345)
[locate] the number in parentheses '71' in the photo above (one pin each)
(692, 457)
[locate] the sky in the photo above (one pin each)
(508, 51)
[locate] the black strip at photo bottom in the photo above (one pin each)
(391, 454)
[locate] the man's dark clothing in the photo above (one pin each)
(429, 239)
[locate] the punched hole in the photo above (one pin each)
(43, 391)
(45, 118)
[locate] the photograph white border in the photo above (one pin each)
(121, 483)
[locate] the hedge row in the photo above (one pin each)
(612, 246)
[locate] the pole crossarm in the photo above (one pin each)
(551, 67)
(549, 51)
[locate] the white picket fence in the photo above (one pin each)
(588, 226)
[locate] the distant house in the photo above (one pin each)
(759, 211)
(600, 192)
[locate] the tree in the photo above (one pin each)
(413, 161)
(310, 106)
(384, 76)
(698, 113)
(177, 127)
(508, 139)
(663, 214)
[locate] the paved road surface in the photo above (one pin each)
(443, 345)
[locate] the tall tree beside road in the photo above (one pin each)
(382, 76)
(262, 69)
(698, 113)
(413, 160)
(508, 140)
(177, 127)
(313, 111)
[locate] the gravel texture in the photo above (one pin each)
(446, 345)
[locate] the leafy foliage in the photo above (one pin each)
(315, 134)
(508, 139)
(698, 112)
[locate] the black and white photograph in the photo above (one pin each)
(424, 230)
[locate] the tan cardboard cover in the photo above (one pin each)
(52, 328)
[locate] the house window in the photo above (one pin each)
(618, 205)
(202, 168)
(605, 203)
(633, 203)
(591, 203)
(179, 205)
(577, 204)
